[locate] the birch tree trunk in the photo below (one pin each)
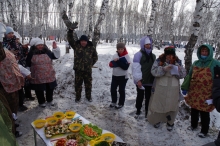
(96, 35)
(31, 18)
(172, 23)
(66, 19)
(152, 17)
(90, 17)
(120, 21)
(22, 20)
(2, 11)
(13, 17)
(194, 35)
(217, 25)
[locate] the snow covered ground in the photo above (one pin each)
(121, 122)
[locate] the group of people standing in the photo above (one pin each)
(158, 81)
(23, 67)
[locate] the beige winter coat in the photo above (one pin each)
(164, 101)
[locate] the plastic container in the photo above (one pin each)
(59, 115)
(94, 143)
(109, 137)
(39, 123)
(75, 127)
(51, 121)
(70, 114)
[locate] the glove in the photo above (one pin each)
(216, 72)
(184, 92)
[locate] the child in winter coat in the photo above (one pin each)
(39, 60)
(120, 64)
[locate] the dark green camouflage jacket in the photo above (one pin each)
(84, 58)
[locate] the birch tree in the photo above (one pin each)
(96, 34)
(2, 10)
(172, 22)
(90, 17)
(217, 24)
(152, 17)
(31, 18)
(13, 17)
(120, 21)
(194, 34)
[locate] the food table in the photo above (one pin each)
(41, 132)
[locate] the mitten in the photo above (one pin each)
(184, 92)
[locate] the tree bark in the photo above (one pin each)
(120, 21)
(13, 17)
(96, 35)
(194, 36)
(152, 17)
(217, 25)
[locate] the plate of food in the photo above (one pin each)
(81, 141)
(57, 130)
(90, 132)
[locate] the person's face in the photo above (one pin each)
(120, 50)
(83, 43)
(147, 46)
(40, 46)
(168, 57)
(17, 40)
(10, 35)
(204, 52)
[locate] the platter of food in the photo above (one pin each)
(57, 130)
(70, 140)
(90, 132)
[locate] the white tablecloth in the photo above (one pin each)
(41, 133)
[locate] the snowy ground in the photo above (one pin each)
(121, 122)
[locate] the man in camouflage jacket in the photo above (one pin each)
(85, 56)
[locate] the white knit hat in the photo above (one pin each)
(9, 30)
(147, 41)
(36, 41)
(2, 31)
(17, 35)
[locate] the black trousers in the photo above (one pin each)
(21, 96)
(40, 95)
(205, 119)
(27, 91)
(121, 82)
(140, 97)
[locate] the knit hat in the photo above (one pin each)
(147, 41)
(36, 41)
(170, 50)
(17, 35)
(84, 38)
(120, 45)
(9, 30)
(2, 31)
